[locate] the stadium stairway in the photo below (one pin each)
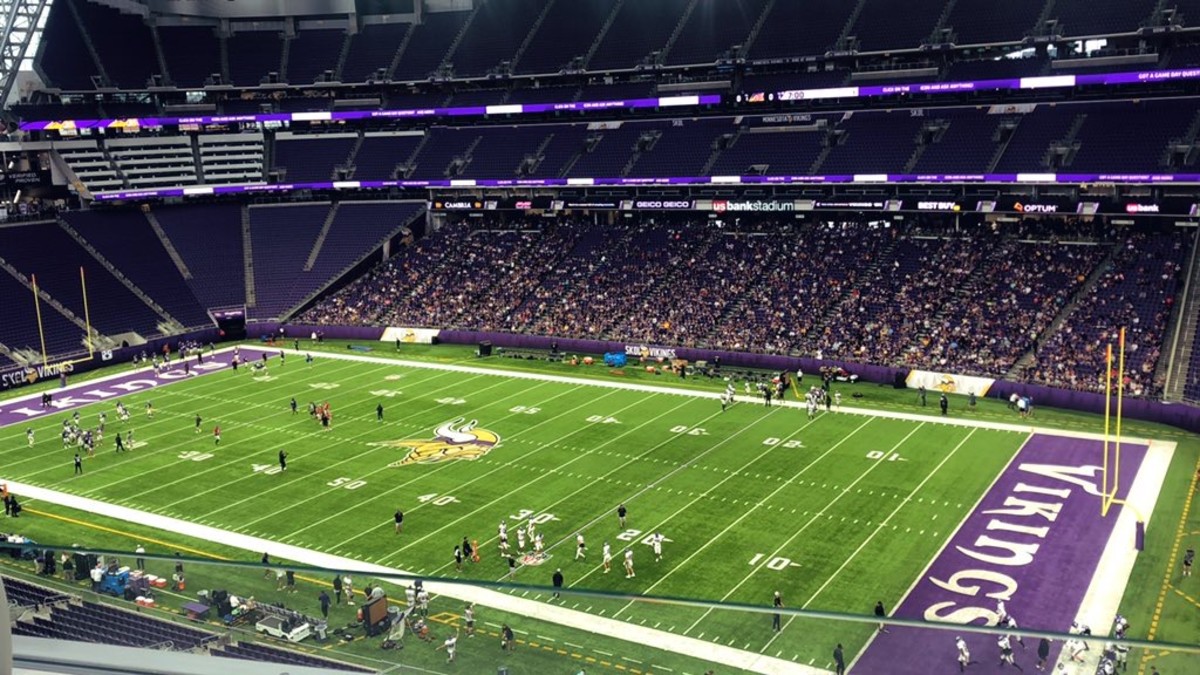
(1030, 357)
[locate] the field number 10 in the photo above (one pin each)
(777, 564)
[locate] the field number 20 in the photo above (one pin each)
(776, 564)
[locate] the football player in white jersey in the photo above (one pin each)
(520, 540)
(964, 655)
(537, 544)
(580, 547)
(629, 564)
(607, 557)
(656, 540)
(530, 527)
(502, 531)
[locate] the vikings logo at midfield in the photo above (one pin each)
(450, 442)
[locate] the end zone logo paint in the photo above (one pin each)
(451, 441)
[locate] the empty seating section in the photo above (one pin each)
(63, 55)
(610, 152)
(92, 622)
(357, 229)
(563, 94)
(192, 53)
(713, 27)
(565, 143)
(209, 240)
(254, 652)
(495, 35)
(372, 49)
(638, 29)
(681, 150)
(567, 32)
(253, 54)
(123, 43)
(126, 240)
(1132, 132)
(777, 154)
(154, 162)
(984, 21)
(381, 153)
(428, 45)
(966, 146)
(884, 25)
(232, 158)
(477, 97)
(874, 144)
(312, 52)
(501, 149)
(1031, 140)
(90, 164)
(47, 251)
(282, 238)
(445, 145)
(20, 330)
(801, 28)
(1094, 17)
(312, 159)
(993, 69)
(26, 594)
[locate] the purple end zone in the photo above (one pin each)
(1034, 541)
(28, 407)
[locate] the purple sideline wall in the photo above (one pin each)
(1177, 415)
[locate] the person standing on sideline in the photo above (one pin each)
(777, 618)
(325, 601)
(141, 562)
(879, 612)
(558, 582)
(1043, 652)
(944, 403)
(337, 588)
(379, 412)
(621, 515)
(839, 660)
(399, 517)
(79, 464)
(921, 394)
(506, 639)
(282, 460)
(266, 563)
(469, 618)
(458, 558)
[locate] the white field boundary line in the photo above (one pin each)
(666, 441)
(1102, 600)
(678, 391)
(744, 515)
(540, 611)
(815, 517)
(949, 538)
(904, 502)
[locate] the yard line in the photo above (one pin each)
(517, 489)
(747, 514)
(235, 460)
(503, 465)
(953, 533)
(635, 459)
(291, 482)
(845, 491)
(866, 541)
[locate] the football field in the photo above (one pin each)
(834, 512)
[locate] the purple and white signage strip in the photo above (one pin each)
(1045, 82)
(330, 116)
(471, 184)
(1034, 541)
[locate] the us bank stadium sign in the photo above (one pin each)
(23, 376)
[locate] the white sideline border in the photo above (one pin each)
(1102, 593)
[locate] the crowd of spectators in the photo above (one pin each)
(964, 302)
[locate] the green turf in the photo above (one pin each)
(751, 501)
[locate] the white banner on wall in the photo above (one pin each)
(412, 336)
(949, 383)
